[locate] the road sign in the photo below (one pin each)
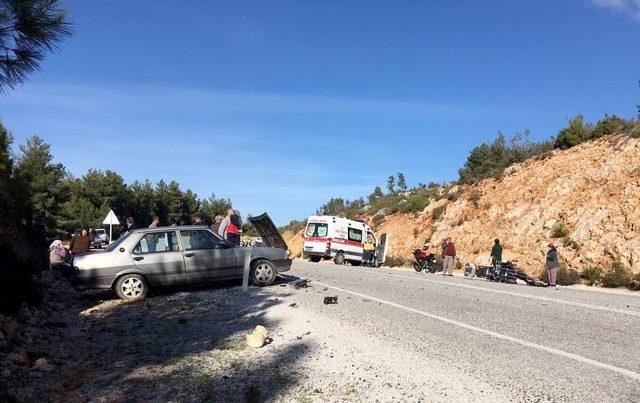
(112, 220)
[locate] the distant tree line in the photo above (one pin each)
(57, 201)
(491, 159)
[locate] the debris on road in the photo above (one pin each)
(294, 305)
(257, 338)
(330, 300)
(302, 283)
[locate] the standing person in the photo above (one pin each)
(197, 220)
(80, 243)
(222, 229)
(369, 248)
(553, 264)
(496, 253)
(449, 258)
(154, 222)
(215, 227)
(173, 222)
(233, 229)
(129, 225)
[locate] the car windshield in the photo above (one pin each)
(117, 242)
(315, 229)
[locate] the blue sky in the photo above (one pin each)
(280, 105)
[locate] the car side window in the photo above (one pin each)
(157, 242)
(198, 240)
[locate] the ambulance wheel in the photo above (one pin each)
(339, 259)
(315, 259)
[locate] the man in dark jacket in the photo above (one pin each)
(496, 253)
(129, 225)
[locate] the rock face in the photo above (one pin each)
(592, 190)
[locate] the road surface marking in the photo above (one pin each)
(550, 350)
(512, 293)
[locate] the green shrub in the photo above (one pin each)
(592, 275)
(618, 276)
(635, 130)
(559, 230)
(566, 276)
(635, 282)
(416, 203)
(416, 232)
(453, 196)
(575, 133)
(458, 265)
(489, 160)
(568, 242)
(611, 124)
(438, 212)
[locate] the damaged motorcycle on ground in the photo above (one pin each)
(424, 261)
(508, 272)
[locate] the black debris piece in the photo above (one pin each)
(294, 305)
(331, 300)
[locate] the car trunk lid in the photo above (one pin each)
(268, 231)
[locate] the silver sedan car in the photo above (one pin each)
(163, 256)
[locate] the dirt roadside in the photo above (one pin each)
(189, 346)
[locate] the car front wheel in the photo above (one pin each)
(131, 286)
(263, 273)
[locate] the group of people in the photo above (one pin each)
(61, 250)
(449, 257)
(227, 227)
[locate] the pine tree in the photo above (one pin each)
(402, 183)
(28, 29)
(44, 179)
(391, 183)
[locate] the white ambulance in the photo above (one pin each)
(340, 239)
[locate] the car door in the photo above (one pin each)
(207, 257)
(158, 254)
(381, 249)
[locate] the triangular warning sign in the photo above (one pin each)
(111, 218)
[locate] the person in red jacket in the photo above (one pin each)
(233, 228)
(449, 258)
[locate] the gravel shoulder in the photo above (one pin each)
(188, 344)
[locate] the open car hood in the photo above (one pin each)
(268, 231)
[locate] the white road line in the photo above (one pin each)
(550, 350)
(514, 294)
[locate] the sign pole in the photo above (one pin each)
(247, 269)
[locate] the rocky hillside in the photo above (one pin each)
(585, 199)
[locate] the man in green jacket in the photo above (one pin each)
(496, 253)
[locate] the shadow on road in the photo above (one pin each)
(182, 343)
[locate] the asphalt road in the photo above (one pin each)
(527, 343)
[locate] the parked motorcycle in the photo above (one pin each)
(424, 261)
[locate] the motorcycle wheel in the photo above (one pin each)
(417, 267)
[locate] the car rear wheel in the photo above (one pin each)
(315, 259)
(263, 273)
(131, 286)
(339, 259)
